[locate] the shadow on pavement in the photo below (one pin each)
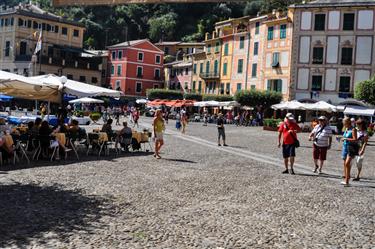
(30, 212)
(179, 160)
(70, 160)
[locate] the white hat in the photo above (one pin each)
(322, 118)
(290, 116)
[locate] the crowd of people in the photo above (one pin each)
(354, 141)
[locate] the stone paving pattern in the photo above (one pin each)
(197, 196)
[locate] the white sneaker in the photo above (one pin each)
(345, 184)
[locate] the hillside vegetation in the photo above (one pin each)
(188, 22)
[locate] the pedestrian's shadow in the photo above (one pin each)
(27, 211)
(179, 160)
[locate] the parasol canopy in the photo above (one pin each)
(86, 100)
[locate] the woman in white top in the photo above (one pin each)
(362, 140)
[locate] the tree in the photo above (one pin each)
(252, 8)
(365, 91)
(153, 94)
(220, 98)
(256, 98)
(163, 27)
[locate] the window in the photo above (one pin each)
(138, 88)
(346, 56)
(240, 66)
(112, 70)
(113, 55)
(186, 71)
(316, 83)
(199, 86)
(227, 89)
(49, 27)
(7, 48)
(195, 68)
(283, 31)
(120, 54)
(76, 33)
(257, 25)
(216, 67)
(253, 87)
(50, 51)
(166, 50)
(193, 86)
(242, 42)
(56, 29)
(70, 77)
(318, 55)
(207, 67)
(82, 78)
(12, 21)
(157, 59)
(275, 85)
(320, 22)
(201, 68)
(270, 33)
(94, 80)
(35, 25)
(64, 31)
(256, 48)
(157, 73)
(225, 68)
(156, 86)
(119, 70)
(139, 72)
(118, 85)
(254, 70)
(43, 26)
(348, 21)
(217, 46)
(209, 48)
(344, 84)
(239, 86)
(222, 86)
(226, 48)
(20, 22)
(140, 56)
(275, 59)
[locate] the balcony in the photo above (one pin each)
(208, 76)
(91, 64)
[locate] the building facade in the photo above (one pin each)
(180, 74)
(277, 52)
(211, 72)
(178, 49)
(62, 45)
(198, 60)
(333, 48)
(135, 66)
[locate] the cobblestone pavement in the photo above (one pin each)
(198, 196)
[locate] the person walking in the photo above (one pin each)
(220, 130)
(322, 137)
(136, 118)
(362, 141)
(159, 128)
(288, 130)
(349, 148)
(184, 120)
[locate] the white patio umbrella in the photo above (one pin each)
(321, 106)
(229, 104)
(142, 101)
(289, 105)
(213, 103)
(77, 88)
(22, 87)
(86, 100)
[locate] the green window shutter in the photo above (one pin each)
(201, 68)
(207, 67)
(283, 31)
(270, 33)
(226, 49)
(268, 85)
(279, 86)
(240, 66)
(216, 66)
(112, 70)
(225, 68)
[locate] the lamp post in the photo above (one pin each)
(63, 80)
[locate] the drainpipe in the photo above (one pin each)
(247, 59)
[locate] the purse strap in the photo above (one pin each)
(291, 133)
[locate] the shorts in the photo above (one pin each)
(159, 136)
(348, 151)
(320, 153)
(289, 150)
(221, 133)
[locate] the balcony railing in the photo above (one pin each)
(214, 75)
(71, 63)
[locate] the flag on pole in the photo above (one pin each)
(39, 44)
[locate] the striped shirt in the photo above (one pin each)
(321, 137)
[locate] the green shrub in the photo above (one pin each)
(78, 113)
(95, 116)
(153, 94)
(220, 98)
(270, 122)
(193, 96)
(255, 98)
(370, 132)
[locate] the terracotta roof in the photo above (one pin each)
(334, 3)
(127, 43)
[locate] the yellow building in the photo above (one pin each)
(277, 53)
(199, 60)
(62, 48)
(211, 73)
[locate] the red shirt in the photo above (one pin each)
(287, 137)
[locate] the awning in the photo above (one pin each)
(5, 98)
(86, 101)
(320, 106)
(289, 105)
(359, 111)
(22, 87)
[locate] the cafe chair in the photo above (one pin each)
(94, 143)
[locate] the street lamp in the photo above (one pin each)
(63, 80)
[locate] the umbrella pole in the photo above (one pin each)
(48, 110)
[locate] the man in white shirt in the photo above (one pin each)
(322, 137)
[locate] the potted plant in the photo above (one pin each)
(271, 124)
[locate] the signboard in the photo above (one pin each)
(58, 3)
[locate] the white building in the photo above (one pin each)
(333, 48)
